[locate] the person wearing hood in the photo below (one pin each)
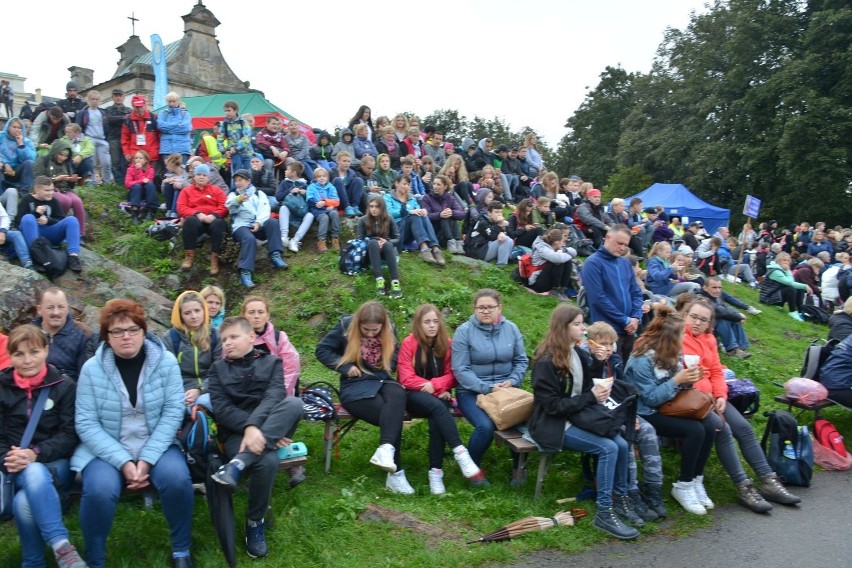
(58, 166)
(130, 403)
(175, 125)
(139, 132)
(323, 152)
(43, 464)
(17, 154)
(468, 151)
(71, 342)
(780, 287)
(251, 222)
(271, 144)
(345, 143)
(40, 215)
(193, 341)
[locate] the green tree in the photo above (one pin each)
(626, 182)
(453, 125)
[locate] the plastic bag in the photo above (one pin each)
(805, 391)
(830, 460)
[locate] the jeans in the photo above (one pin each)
(386, 253)
(68, 229)
(170, 193)
(70, 201)
(483, 427)
(351, 194)
(698, 437)
(499, 251)
(738, 428)
(442, 425)
(15, 243)
(239, 162)
(731, 334)
(649, 453)
(102, 155)
(684, 288)
(119, 162)
(84, 169)
(385, 410)
(193, 227)
(417, 228)
(42, 524)
(270, 231)
(612, 453)
(23, 178)
(102, 485)
(137, 191)
(743, 271)
(446, 229)
(324, 219)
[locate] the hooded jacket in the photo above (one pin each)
(54, 437)
(342, 144)
(194, 364)
(253, 210)
(102, 403)
(486, 354)
(175, 126)
(41, 129)
(317, 193)
(49, 166)
(10, 152)
(70, 347)
(320, 151)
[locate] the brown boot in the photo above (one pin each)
(188, 257)
(321, 246)
(214, 263)
(335, 243)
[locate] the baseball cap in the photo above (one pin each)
(593, 193)
(138, 101)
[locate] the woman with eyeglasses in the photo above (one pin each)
(130, 404)
(699, 341)
(488, 354)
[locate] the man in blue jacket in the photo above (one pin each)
(611, 288)
(836, 373)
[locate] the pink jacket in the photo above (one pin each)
(286, 352)
(135, 176)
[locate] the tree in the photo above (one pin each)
(453, 125)
(626, 182)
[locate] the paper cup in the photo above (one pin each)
(691, 360)
(607, 382)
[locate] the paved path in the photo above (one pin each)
(816, 534)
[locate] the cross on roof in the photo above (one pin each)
(133, 19)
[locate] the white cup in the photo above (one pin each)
(691, 360)
(606, 382)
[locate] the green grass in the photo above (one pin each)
(315, 524)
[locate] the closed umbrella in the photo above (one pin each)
(533, 524)
(221, 507)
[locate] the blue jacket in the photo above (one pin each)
(70, 347)
(175, 126)
(659, 278)
(485, 354)
(317, 193)
(654, 390)
(99, 406)
(364, 146)
(611, 290)
(815, 248)
(399, 210)
(11, 153)
(836, 372)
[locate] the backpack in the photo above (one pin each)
(353, 257)
(583, 302)
(318, 401)
(828, 436)
(815, 314)
(163, 229)
(744, 396)
(815, 356)
(197, 438)
(47, 259)
(789, 450)
(525, 266)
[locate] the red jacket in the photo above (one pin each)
(135, 176)
(705, 346)
(135, 125)
(209, 199)
(410, 380)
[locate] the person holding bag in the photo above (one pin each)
(37, 439)
(656, 368)
(563, 389)
(699, 341)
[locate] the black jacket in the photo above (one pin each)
(244, 391)
(70, 347)
(840, 326)
(55, 437)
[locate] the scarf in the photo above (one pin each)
(371, 351)
(29, 383)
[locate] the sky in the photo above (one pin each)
(530, 63)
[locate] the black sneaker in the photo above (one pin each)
(297, 475)
(256, 546)
(74, 264)
(228, 475)
(641, 507)
(607, 521)
(653, 495)
(623, 507)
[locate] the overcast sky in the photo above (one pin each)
(528, 62)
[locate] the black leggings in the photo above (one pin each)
(385, 410)
(841, 396)
(465, 191)
(446, 229)
(698, 438)
(386, 253)
(442, 425)
(553, 276)
(793, 297)
(193, 228)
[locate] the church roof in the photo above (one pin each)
(148, 59)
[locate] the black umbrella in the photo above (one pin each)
(221, 507)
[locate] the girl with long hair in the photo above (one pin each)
(425, 372)
(363, 116)
(363, 348)
(413, 221)
(456, 171)
(382, 236)
(274, 341)
(521, 227)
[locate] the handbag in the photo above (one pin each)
(7, 480)
(507, 407)
(688, 403)
(297, 204)
(608, 417)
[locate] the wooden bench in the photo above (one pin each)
(796, 403)
(515, 441)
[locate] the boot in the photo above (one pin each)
(641, 507)
(135, 215)
(748, 496)
(335, 243)
(321, 246)
(214, 263)
(623, 507)
(652, 494)
(188, 257)
(772, 490)
(607, 521)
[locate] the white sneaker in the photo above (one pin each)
(684, 493)
(397, 483)
(436, 481)
(730, 278)
(383, 458)
(701, 493)
(294, 245)
(468, 468)
(753, 311)
(285, 241)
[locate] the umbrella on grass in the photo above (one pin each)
(533, 524)
(221, 506)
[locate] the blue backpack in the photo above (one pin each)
(789, 451)
(197, 438)
(353, 257)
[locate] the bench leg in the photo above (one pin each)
(544, 461)
(328, 442)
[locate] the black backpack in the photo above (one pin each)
(789, 451)
(815, 357)
(47, 259)
(198, 442)
(815, 314)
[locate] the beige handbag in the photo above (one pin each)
(507, 407)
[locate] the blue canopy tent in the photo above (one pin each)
(681, 202)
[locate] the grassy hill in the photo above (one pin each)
(316, 524)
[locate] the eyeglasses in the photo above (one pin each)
(698, 318)
(119, 332)
(487, 308)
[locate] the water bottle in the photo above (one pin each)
(789, 452)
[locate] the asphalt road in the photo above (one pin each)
(818, 533)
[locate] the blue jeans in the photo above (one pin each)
(68, 229)
(483, 427)
(239, 162)
(23, 178)
(137, 191)
(612, 461)
(731, 334)
(42, 524)
(102, 485)
(350, 194)
(417, 228)
(270, 232)
(15, 243)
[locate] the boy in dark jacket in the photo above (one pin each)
(255, 419)
(488, 239)
(40, 215)
(262, 178)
